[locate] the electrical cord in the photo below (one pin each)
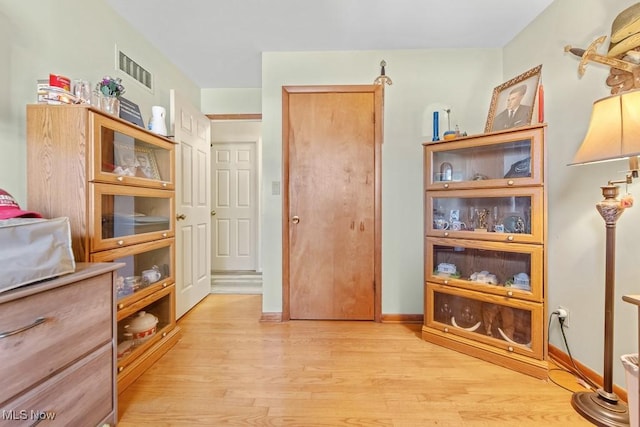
(577, 372)
(580, 374)
(556, 369)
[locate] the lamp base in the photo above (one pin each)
(600, 411)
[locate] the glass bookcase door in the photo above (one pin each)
(125, 154)
(513, 271)
(503, 160)
(147, 267)
(508, 214)
(125, 215)
(159, 317)
(508, 324)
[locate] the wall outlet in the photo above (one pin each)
(564, 313)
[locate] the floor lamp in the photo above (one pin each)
(614, 133)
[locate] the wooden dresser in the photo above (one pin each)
(57, 350)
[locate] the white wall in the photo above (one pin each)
(231, 101)
(75, 38)
(463, 79)
(576, 230)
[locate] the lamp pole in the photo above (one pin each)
(603, 407)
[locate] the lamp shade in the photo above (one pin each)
(614, 130)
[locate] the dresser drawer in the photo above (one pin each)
(77, 320)
(80, 395)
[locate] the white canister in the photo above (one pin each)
(143, 326)
(158, 123)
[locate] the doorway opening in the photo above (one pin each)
(235, 208)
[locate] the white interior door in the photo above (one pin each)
(234, 211)
(235, 199)
(192, 132)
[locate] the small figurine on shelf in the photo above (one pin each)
(484, 277)
(447, 270)
(449, 134)
(519, 281)
(446, 171)
(482, 219)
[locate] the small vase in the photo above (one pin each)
(158, 124)
(110, 104)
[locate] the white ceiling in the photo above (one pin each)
(218, 43)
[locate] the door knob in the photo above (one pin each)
(213, 213)
(295, 219)
(181, 216)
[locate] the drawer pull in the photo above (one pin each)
(510, 182)
(120, 368)
(164, 234)
(164, 184)
(446, 329)
(164, 284)
(35, 323)
(510, 238)
(510, 348)
(120, 242)
(164, 334)
(120, 178)
(446, 234)
(510, 293)
(446, 282)
(446, 186)
(120, 306)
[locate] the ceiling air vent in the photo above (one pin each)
(135, 70)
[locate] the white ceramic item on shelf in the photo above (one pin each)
(151, 276)
(143, 327)
(158, 124)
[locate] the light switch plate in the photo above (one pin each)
(275, 188)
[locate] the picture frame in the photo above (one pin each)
(518, 94)
(135, 161)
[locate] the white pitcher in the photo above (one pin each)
(158, 124)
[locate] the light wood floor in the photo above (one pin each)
(231, 369)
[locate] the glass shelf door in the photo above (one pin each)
(507, 215)
(508, 324)
(128, 155)
(505, 160)
(513, 271)
(125, 215)
(148, 267)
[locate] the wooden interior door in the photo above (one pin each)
(331, 236)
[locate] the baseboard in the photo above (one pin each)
(236, 282)
(236, 288)
(402, 318)
(386, 318)
(271, 317)
(563, 360)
